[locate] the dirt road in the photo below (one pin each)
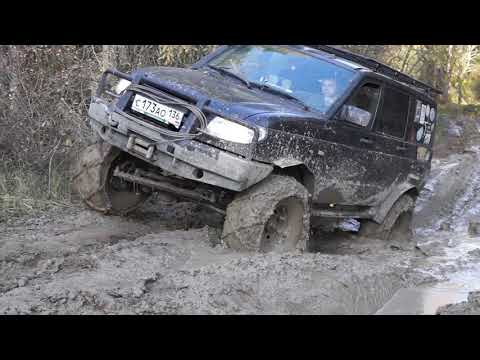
(161, 260)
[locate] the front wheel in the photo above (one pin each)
(93, 180)
(272, 216)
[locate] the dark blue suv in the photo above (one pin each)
(276, 139)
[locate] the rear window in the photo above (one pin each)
(392, 118)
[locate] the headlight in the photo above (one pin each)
(121, 86)
(230, 131)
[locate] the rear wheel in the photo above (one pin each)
(272, 216)
(93, 179)
(397, 225)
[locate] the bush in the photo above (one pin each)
(43, 113)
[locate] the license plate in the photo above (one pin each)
(160, 112)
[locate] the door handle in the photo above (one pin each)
(401, 148)
(366, 141)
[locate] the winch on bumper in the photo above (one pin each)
(189, 159)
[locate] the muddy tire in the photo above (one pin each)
(273, 215)
(397, 225)
(92, 180)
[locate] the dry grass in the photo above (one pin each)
(43, 113)
(23, 192)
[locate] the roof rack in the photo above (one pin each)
(377, 67)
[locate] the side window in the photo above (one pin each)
(361, 107)
(392, 118)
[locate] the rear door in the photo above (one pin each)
(420, 132)
(395, 155)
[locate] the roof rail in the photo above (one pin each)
(377, 66)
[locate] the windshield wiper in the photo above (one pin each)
(277, 91)
(225, 71)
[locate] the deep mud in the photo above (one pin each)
(164, 260)
(85, 263)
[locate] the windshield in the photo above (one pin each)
(317, 83)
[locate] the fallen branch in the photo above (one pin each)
(50, 167)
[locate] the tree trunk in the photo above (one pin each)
(407, 56)
(448, 73)
(108, 57)
(12, 60)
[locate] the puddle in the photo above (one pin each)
(425, 300)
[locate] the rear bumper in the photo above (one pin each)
(189, 159)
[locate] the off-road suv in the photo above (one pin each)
(277, 139)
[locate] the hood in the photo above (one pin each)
(226, 94)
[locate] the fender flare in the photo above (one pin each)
(287, 164)
(382, 210)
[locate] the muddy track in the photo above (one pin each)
(163, 260)
(86, 263)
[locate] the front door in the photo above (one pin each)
(348, 176)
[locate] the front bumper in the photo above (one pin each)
(189, 159)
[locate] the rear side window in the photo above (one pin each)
(392, 118)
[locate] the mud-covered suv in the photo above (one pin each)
(277, 139)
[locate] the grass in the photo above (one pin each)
(24, 192)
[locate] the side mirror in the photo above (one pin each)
(355, 115)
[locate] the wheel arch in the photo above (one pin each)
(383, 209)
(248, 214)
(300, 172)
